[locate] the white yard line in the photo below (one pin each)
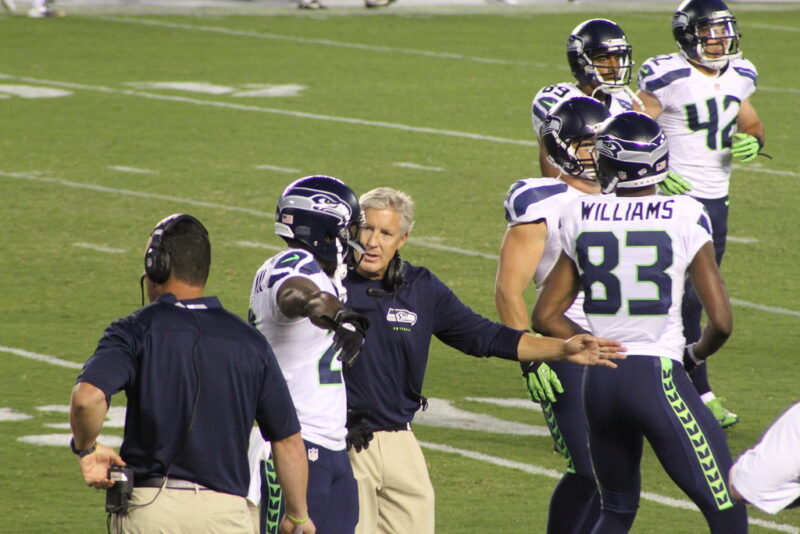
(682, 504)
(416, 166)
(100, 248)
(287, 170)
(745, 168)
(134, 170)
(260, 109)
(130, 193)
(327, 42)
(252, 244)
(41, 357)
(418, 241)
(743, 240)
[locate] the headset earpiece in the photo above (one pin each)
(393, 278)
(156, 259)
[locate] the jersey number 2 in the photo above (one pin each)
(327, 373)
(602, 272)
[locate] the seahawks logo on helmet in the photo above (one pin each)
(331, 205)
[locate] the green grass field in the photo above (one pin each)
(87, 172)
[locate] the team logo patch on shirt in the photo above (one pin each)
(313, 454)
(397, 315)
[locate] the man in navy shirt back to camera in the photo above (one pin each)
(407, 305)
(196, 377)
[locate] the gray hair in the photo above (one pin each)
(382, 198)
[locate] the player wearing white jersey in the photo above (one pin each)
(296, 302)
(530, 248)
(701, 98)
(768, 475)
(600, 58)
(630, 254)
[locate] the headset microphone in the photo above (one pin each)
(141, 286)
(377, 292)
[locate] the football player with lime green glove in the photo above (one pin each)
(542, 382)
(674, 184)
(745, 147)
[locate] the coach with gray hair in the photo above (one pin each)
(407, 305)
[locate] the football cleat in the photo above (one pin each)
(378, 3)
(724, 416)
(311, 4)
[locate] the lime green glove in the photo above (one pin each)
(674, 184)
(745, 147)
(542, 383)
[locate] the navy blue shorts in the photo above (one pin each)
(653, 398)
(332, 493)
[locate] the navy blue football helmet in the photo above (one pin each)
(321, 212)
(595, 37)
(570, 124)
(696, 22)
(631, 151)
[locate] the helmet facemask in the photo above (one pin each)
(717, 40)
(611, 66)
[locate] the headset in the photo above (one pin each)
(393, 278)
(156, 259)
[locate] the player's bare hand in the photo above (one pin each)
(586, 349)
(95, 466)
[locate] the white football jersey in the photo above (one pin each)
(542, 200)
(549, 96)
(632, 254)
(304, 351)
(699, 116)
(768, 475)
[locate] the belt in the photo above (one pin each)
(172, 483)
(395, 428)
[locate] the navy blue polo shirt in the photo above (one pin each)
(389, 372)
(151, 354)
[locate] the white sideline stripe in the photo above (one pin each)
(683, 504)
(329, 42)
(41, 357)
(407, 165)
(772, 27)
(766, 171)
(253, 244)
(745, 240)
(259, 109)
(761, 307)
(525, 404)
(100, 248)
(779, 90)
(422, 242)
(134, 170)
(413, 240)
(278, 169)
(389, 49)
(128, 192)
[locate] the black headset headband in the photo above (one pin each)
(156, 259)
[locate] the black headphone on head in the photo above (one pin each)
(393, 278)
(156, 259)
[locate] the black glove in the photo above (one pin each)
(358, 433)
(690, 361)
(349, 329)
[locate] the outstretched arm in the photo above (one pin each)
(87, 411)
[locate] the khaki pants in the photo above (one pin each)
(395, 495)
(184, 511)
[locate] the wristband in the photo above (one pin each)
(690, 353)
(295, 520)
(81, 453)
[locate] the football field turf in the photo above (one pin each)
(111, 121)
